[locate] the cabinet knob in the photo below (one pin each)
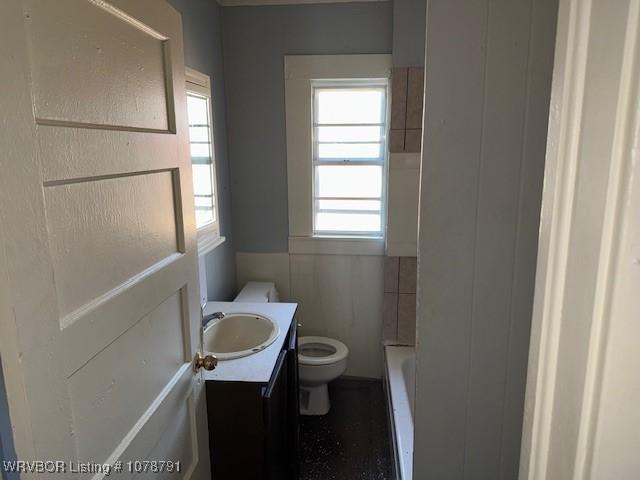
(208, 362)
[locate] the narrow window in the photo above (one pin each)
(203, 160)
(349, 152)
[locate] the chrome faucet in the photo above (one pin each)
(212, 316)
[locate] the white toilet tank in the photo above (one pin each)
(258, 292)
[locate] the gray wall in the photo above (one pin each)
(201, 23)
(255, 42)
(409, 22)
(489, 67)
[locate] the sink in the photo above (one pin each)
(238, 335)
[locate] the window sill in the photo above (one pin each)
(336, 246)
(207, 243)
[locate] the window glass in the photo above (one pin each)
(348, 222)
(201, 158)
(354, 181)
(349, 151)
(349, 134)
(350, 105)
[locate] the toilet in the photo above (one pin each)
(258, 292)
(320, 360)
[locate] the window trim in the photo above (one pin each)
(208, 236)
(300, 70)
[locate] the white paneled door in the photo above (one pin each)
(99, 304)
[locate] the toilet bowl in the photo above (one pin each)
(320, 360)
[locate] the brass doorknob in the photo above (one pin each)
(208, 362)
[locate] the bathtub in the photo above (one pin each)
(400, 389)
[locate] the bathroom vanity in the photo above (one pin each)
(252, 402)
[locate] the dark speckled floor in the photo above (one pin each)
(351, 442)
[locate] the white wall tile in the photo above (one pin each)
(340, 296)
(272, 267)
(407, 275)
(402, 211)
(407, 319)
(390, 318)
(391, 265)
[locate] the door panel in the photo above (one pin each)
(110, 319)
(92, 227)
(96, 66)
(98, 226)
(121, 151)
(160, 429)
(111, 379)
(293, 400)
(176, 441)
(275, 419)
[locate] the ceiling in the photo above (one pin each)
(243, 3)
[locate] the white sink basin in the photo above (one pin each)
(238, 335)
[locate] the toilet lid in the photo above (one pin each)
(320, 351)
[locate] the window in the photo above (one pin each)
(349, 151)
(200, 144)
(203, 160)
(336, 118)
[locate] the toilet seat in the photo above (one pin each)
(325, 351)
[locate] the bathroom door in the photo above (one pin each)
(99, 304)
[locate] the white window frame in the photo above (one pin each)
(300, 72)
(209, 237)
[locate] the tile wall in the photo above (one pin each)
(399, 303)
(407, 92)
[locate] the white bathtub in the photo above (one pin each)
(400, 387)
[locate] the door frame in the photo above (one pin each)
(14, 382)
(579, 23)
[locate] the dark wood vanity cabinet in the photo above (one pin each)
(254, 428)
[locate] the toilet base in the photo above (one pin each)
(314, 400)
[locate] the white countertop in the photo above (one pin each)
(258, 366)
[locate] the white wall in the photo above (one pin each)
(339, 296)
(488, 76)
(402, 210)
(266, 267)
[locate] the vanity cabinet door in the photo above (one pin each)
(276, 400)
(236, 430)
(293, 416)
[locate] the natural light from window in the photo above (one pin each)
(349, 151)
(201, 158)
